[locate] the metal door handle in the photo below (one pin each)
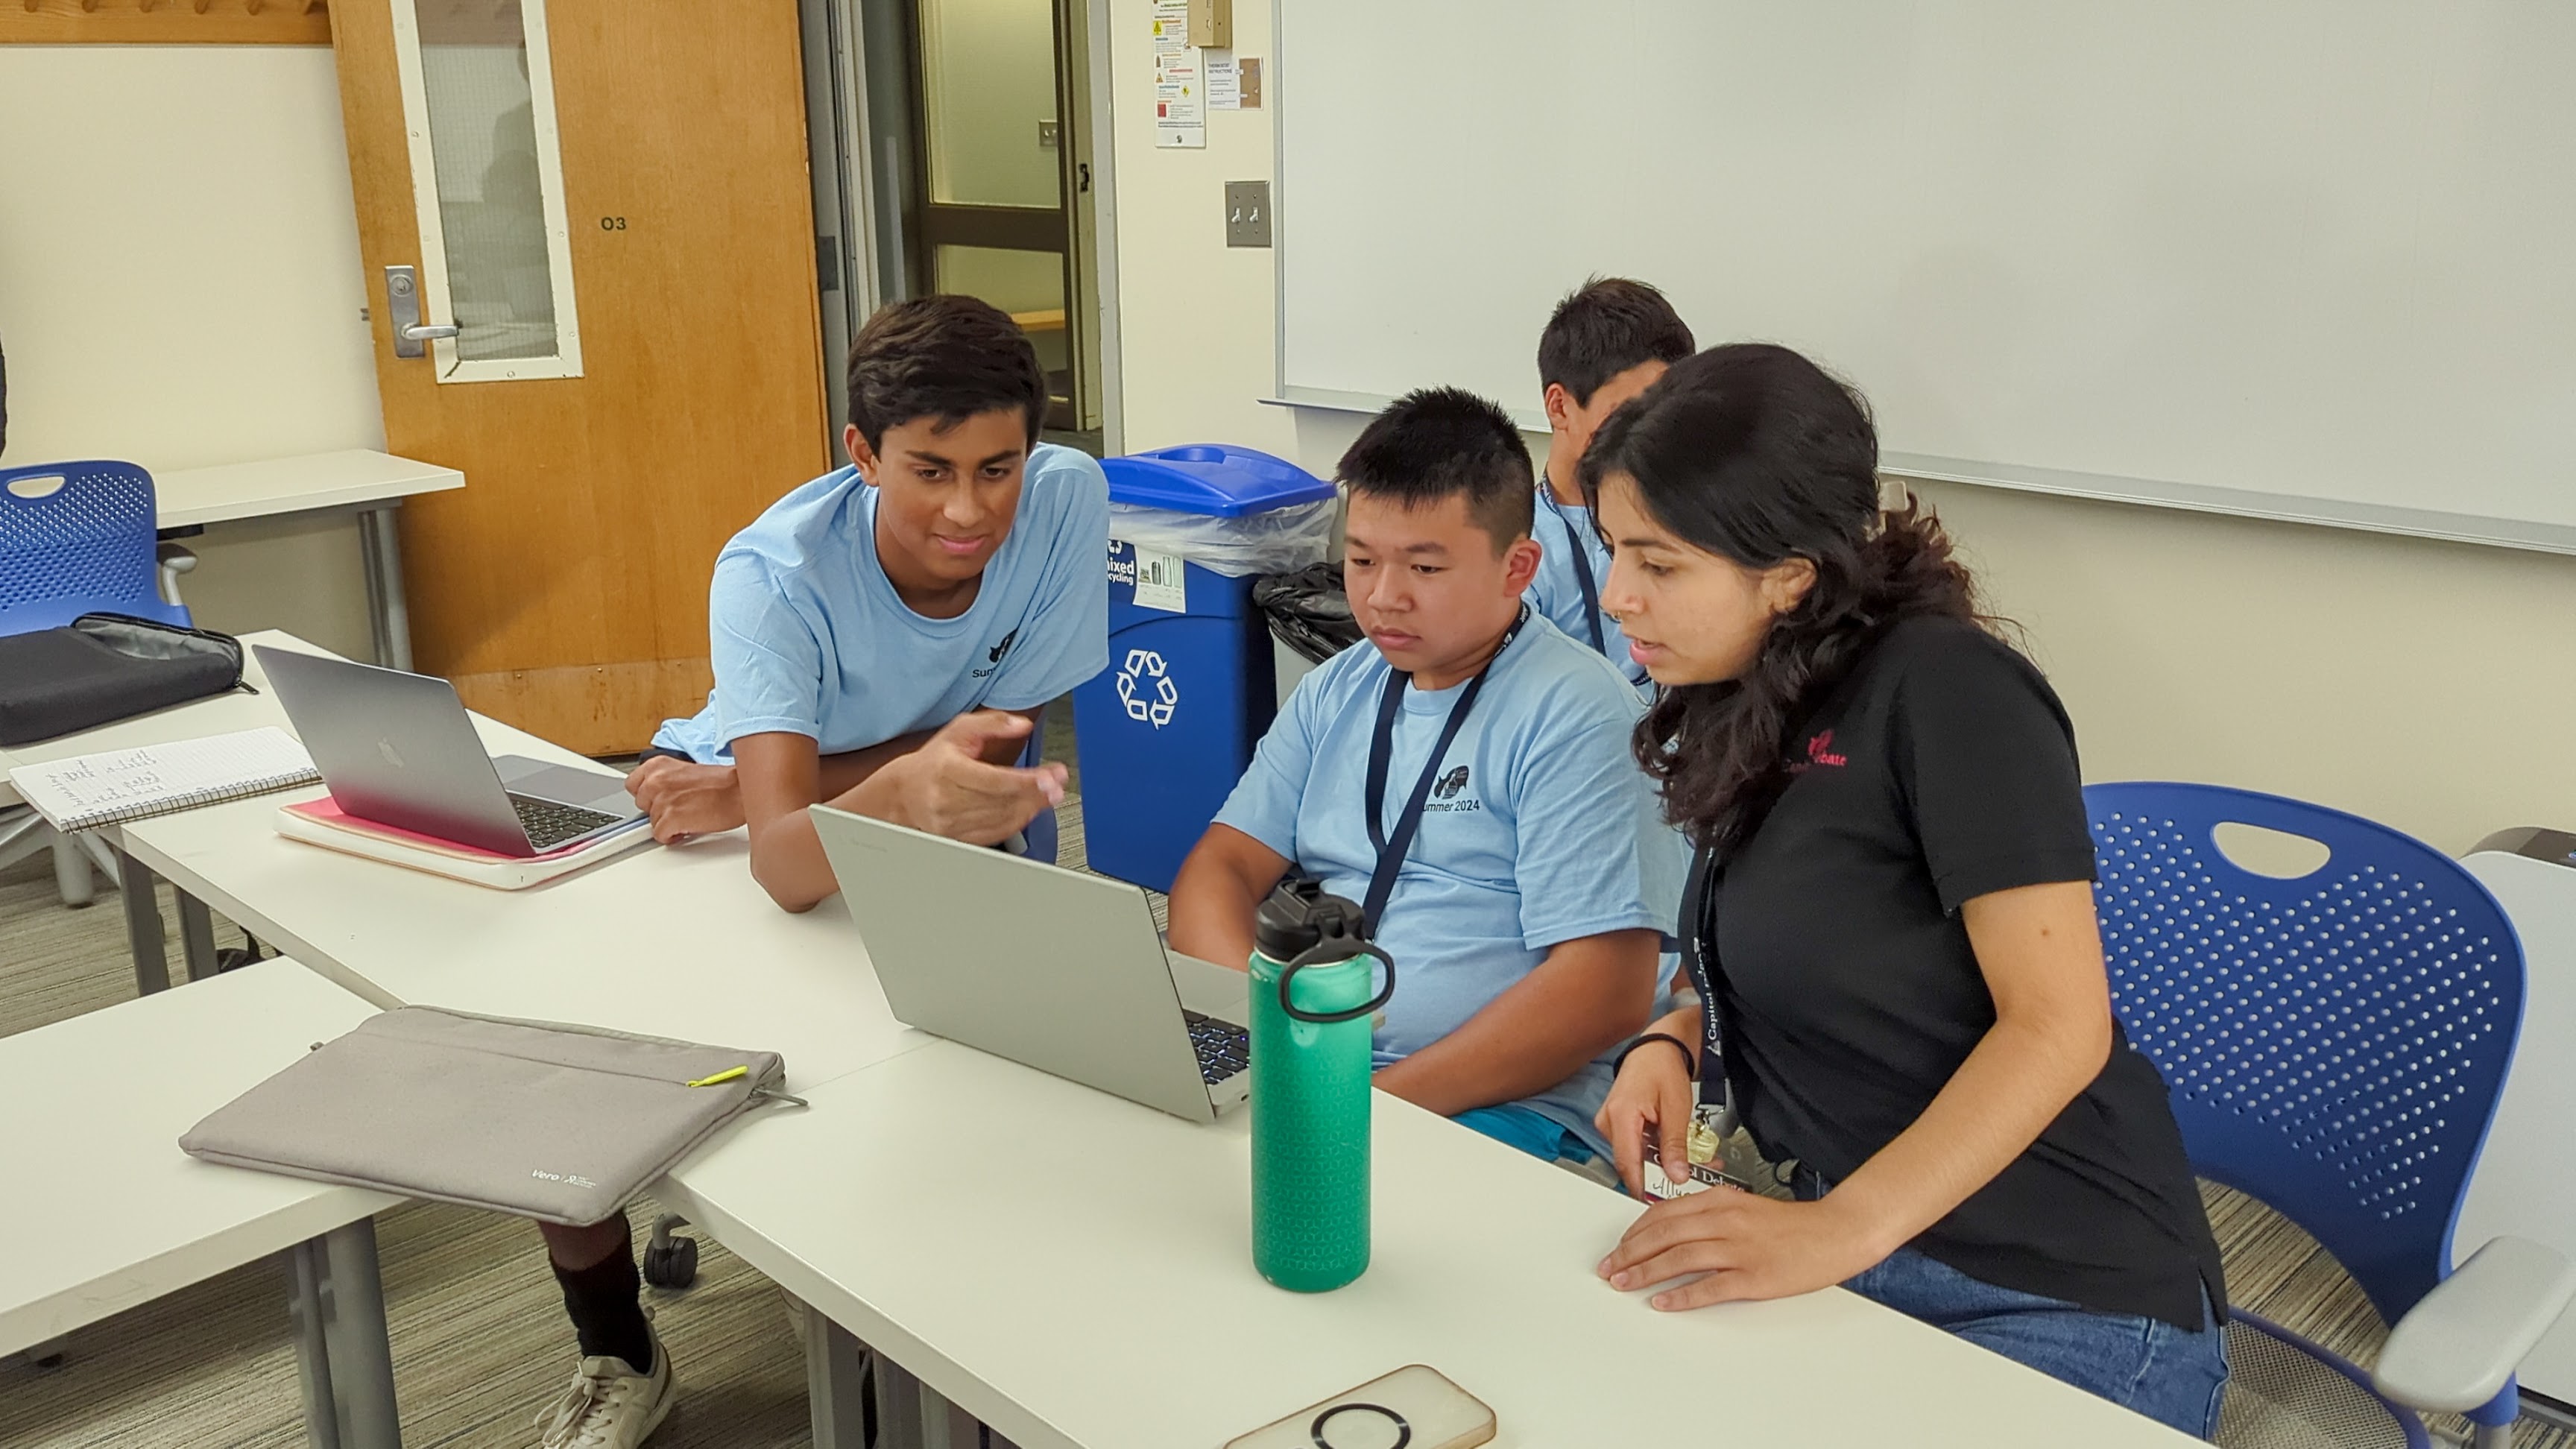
(402, 310)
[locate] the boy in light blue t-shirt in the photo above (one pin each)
(1606, 342)
(1525, 917)
(883, 635)
(880, 637)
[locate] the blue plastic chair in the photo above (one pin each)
(77, 538)
(2334, 1045)
(1041, 834)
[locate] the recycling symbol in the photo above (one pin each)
(1148, 703)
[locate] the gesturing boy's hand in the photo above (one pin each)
(949, 787)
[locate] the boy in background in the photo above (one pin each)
(1606, 342)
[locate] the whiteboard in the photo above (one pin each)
(2307, 259)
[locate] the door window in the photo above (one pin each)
(487, 183)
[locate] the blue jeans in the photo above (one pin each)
(2172, 1375)
(2145, 1364)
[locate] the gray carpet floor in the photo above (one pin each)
(479, 1337)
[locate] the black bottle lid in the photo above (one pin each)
(1300, 916)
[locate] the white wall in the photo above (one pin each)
(2429, 686)
(179, 279)
(180, 286)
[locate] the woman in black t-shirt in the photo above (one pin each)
(1892, 914)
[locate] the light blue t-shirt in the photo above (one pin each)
(808, 636)
(1541, 830)
(1563, 530)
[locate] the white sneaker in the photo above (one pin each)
(610, 1405)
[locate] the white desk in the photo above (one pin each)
(1075, 1270)
(665, 942)
(110, 1214)
(371, 484)
(1099, 1292)
(221, 714)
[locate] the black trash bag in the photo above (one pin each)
(1308, 611)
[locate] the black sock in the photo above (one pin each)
(605, 1301)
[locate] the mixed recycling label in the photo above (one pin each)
(1146, 690)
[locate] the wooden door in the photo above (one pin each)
(610, 200)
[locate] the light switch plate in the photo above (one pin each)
(1247, 213)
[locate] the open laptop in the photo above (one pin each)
(1052, 968)
(400, 750)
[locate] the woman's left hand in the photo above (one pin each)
(1745, 1245)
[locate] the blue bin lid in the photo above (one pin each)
(1217, 480)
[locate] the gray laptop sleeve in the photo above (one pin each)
(559, 1123)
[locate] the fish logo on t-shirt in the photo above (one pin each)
(1451, 783)
(995, 655)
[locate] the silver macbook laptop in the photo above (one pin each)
(400, 750)
(1052, 968)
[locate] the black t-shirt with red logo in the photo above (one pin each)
(1942, 769)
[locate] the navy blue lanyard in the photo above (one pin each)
(1582, 572)
(1698, 936)
(1391, 850)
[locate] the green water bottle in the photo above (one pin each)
(1311, 1033)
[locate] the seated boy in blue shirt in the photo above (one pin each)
(1525, 918)
(883, 636)
(1607, 342)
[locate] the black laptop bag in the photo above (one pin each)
(101, 668)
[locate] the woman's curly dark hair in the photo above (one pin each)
(1755, 454)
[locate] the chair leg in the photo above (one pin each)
(72, 878)
(96, 849)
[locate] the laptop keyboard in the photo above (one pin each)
(1224, 1048)
(550, 823)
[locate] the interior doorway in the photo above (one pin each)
(960, 159)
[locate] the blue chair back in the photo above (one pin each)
(84, 545)
(1043, 835)
(2335, 1043)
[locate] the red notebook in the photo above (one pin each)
(322, 822)
(327, 811)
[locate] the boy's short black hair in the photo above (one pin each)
(1444, 441)
(1605, 327)
(943, 357)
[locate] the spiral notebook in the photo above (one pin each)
(115, 786)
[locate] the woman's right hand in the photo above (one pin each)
(1652, 1093)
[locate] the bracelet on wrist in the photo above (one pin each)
(1690, 1058)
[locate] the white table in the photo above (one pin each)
(664, 942)
(222, 714)
(370, 484)
(108, 1213)
(1097, 1290)
(1075, 1270)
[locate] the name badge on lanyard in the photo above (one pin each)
(1391, 849)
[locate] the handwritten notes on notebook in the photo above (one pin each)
(121, 785)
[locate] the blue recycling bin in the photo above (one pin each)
(1169, 727)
